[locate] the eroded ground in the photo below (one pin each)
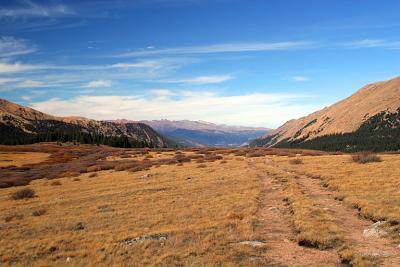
(227, 207)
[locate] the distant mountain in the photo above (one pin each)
(23, 125)
(367, 120)
(200, 133)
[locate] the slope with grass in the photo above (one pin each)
(369, 119)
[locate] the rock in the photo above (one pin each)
(375, 230)
(254, 243)
(272, 208)
(383, 254)
(68, 259)
(140, 239)
(79, 226)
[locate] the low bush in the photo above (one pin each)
(254, 154)
(94, 168)
(125, 166)
(93, 175)
(296, 161)
(55, 183)
(39, 212)
(365, 157)
(23, 193)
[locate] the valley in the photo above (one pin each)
(157, 207)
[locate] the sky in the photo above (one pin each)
(235, 62)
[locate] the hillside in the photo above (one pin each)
(368, 119)
(200, 133)
(23, 125)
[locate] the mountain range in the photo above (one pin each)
(201, 133)
(23, 125)
(367, 120)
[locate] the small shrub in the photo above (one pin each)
(39, 212)
(76, 179)
(106, 167)
(20, 182)
(70, 174)
(125, 166)
(255, 154)
(9, 218)
(23, 193)
(94, 168)
(93, 175)
(223, 162)
(365, 157)
(55, 183)
(201, 166)
(296, 161)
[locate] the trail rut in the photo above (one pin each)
(279, 234)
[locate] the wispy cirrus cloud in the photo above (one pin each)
(220, 48)
(373, 43)
(29, 8)
(11, 47)
(19, 67)
(212, 79)
(300, 78)
(7, 80)
(260, 109)
(98, 84)
(10, 67)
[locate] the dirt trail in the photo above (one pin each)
(279, 235)
(277, 231)
(350, 222)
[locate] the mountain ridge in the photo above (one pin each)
(20, 124)
(343, 117)
(201, 133)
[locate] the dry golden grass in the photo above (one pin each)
(315, 227)
(372, 188)
(19, 159)
(192, 207)
(199, 216)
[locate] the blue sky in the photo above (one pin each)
(256, 63)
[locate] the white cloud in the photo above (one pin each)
(26, 98)
(18, 67)
(32, 9)
(220, 48)
(162, 93)
(151, 65)
(373, 43)
(155, 64)
(300, 78)
(10, 46)
(202, 79)
(30, 84)
(7, 80)
(258, 109)
(99, 83)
